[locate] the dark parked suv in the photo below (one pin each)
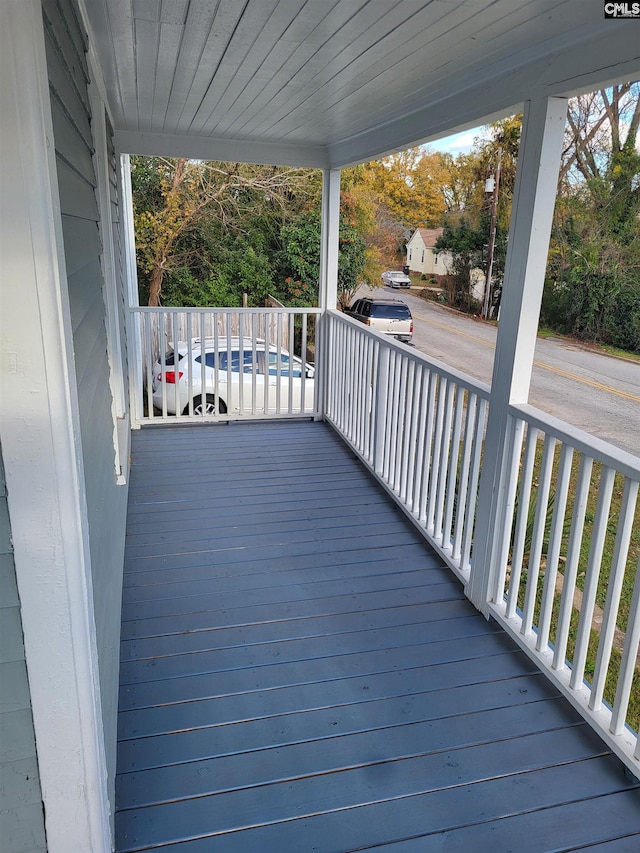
(391, 316)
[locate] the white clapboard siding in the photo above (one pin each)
(106, 500)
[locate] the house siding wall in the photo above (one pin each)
(21, 815)
(423, 258)
(106, 501)
(415, 249)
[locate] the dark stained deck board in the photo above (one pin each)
(176, 605)
(235, 579)
(325, 723)
(300, 671)
(177, 662)
(293, 608)
(238, 564)
(338, 692)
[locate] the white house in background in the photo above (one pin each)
(422, 256)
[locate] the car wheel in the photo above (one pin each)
(210, 407)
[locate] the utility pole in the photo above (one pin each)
(492, 237)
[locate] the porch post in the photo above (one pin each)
(40, 435)
(134, 342)
(328, 284)
(531, 219)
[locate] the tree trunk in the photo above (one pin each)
(155, 287)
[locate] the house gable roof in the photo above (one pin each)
(428, 236)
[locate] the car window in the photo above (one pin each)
(392, 312)
(223, 360)
(169, 357)
(366, 309)
(288, 366)
(356, 306)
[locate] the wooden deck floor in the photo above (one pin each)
(300, 673)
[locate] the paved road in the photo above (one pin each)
(595, 392)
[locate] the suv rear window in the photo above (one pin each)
(392, 312)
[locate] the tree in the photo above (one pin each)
(409, 186)
(592, 288)
(239, 271)
(182, 206)
(300, 259)
(466, 243)
(467, 232)
(600, 125)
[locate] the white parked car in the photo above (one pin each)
(396, 278)
(236, 377)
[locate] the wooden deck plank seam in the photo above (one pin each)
(300, 683)
(238, 667)
(509, 681)
(557, 700)
(317, 634)
(161, 590)
(377, 801)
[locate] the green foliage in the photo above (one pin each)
(467, 245)
(592, 288)
(623, 201)
(218, 221)
(183, 289)
(207, 233)
(300, 257)
(237, 271)
(247, 271)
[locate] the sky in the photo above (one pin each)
(459, 143)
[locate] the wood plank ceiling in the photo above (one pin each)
(329, 82)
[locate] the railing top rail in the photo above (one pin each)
(146, 309)
(596, 448)
(450, 373)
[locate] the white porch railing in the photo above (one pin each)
(234, 363)
(567, 588)
(564, 585)
(419, 426)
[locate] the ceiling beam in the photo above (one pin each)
(225, 150)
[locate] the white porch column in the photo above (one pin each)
(328, 284)
(134, 342)
(39, 431)
(531, 219)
